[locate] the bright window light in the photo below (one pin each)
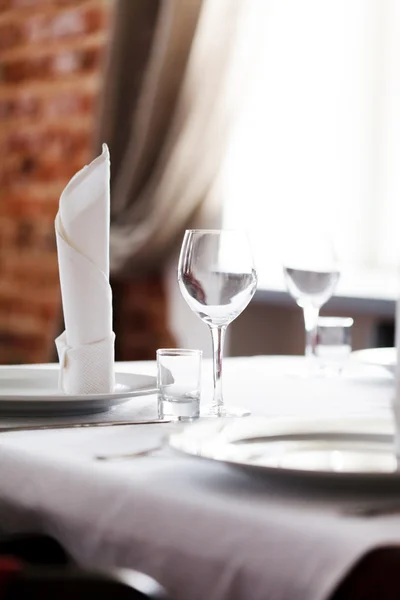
(318, 138)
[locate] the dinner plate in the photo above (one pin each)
(31, 391)
(344, 449)
(379, 357)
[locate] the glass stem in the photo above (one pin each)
(311, 314)
(218, 336)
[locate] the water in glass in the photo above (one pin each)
(315, 287)
(221, 297)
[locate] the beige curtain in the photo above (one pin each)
(166, 112)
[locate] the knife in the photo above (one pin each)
(377, 509)
(79, 425)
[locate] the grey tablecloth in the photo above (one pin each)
(203, 530)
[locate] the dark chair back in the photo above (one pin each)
(45, 583)
(37, 567)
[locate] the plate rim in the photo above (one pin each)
(301, 473)
(37, 372)
(359, 355)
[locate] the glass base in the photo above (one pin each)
(210, 411)
(178, 410)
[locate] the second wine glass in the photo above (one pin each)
(311, 273)
(217, 279)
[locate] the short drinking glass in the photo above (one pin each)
(333, 345)
(178, 382)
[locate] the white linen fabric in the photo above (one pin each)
(86, 348)
(202, 529)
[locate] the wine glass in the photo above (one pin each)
(217, 279)
(311, 272)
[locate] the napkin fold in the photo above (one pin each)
(86, 347)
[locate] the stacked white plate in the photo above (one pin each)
(351, 450)
(29, 391)
(378, 357)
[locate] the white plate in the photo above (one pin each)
(31, 391)
(352, 450)
(379, 357)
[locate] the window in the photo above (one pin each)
(318, 136)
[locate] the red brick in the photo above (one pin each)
(48, 101)
(50, 68)
(39, 28)
(9, 4)
(59, 65)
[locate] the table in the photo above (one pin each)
(204, 531)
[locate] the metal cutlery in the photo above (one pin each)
(126, 456)
(42, 427)
(378, 509)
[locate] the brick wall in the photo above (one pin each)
(50, 59)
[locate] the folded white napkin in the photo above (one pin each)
(86, 348)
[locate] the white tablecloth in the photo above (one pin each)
(204, 530)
